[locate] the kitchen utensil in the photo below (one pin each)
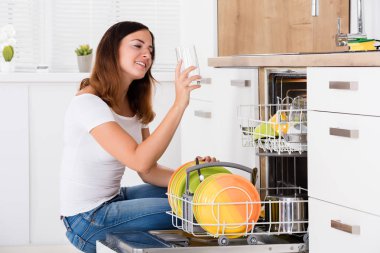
(286, 213)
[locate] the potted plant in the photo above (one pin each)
(7, 41)
(84, 57)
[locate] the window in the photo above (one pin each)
(23, 15)
(48, 31)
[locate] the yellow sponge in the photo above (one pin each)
(362, 44)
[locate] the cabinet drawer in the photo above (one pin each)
(344, 170)
(327, 237)
(348, 90)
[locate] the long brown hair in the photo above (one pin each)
(106, 77)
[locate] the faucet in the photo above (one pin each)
(342, 39)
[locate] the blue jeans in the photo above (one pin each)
(137, 208)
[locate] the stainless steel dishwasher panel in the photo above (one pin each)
(179, 241)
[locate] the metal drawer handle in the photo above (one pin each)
(314, 8)
(344, 132)
(207, 80)
(241, 83)
(352, 229)
(202, 114)
(340, 85)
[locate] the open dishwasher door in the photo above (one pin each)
(179, 241)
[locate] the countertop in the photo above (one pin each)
(333, 59)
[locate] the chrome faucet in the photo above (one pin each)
(342, 39)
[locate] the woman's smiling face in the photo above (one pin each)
(135, 54)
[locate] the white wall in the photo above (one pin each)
(371, 9)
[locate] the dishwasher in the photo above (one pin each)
(278, 131)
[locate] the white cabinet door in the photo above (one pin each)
(14, 162)
(48, 104)
(198, 22)
(343, 169)
(219, 135)
(233, 88)
(347, 90)
(330, 226)
(163, 100)
(197, 130)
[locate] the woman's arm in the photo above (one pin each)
(143, 157)
(158, 175)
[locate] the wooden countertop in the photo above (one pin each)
(364, 59)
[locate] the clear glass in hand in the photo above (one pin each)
(188, 55)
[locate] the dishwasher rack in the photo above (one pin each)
(275, 128)
(282, 208)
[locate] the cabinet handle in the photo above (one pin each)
(315, 8)
(339, 85)
(344, 132)
(207, 80)
(241, 83)
(352, 229)
(202, 114)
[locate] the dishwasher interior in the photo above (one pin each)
(277, 129)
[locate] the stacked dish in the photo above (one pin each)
(177, 183)
(226, 204)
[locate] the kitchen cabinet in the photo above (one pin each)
(343, 166)
(31, 134)
(14, 168)
(48, 104)
(325, 237)
(198, 24)
(210, 126)
(271, 26)
(197, 130)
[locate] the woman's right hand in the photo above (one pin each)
(183, 85)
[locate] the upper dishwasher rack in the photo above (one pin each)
(275, 129)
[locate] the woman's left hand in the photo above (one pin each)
(207, 159)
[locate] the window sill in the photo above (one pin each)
(24, 78)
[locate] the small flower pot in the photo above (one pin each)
(84, 63)
(7, 66)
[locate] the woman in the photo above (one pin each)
(106, 130)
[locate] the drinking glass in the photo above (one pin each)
(188, 55)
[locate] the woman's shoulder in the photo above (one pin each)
(87, 98)
(87, 93)
(88, 90)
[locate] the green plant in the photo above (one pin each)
(8, 53)
(83, 50)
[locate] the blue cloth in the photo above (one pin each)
(136, 208)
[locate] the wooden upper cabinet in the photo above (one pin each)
(279, 26)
